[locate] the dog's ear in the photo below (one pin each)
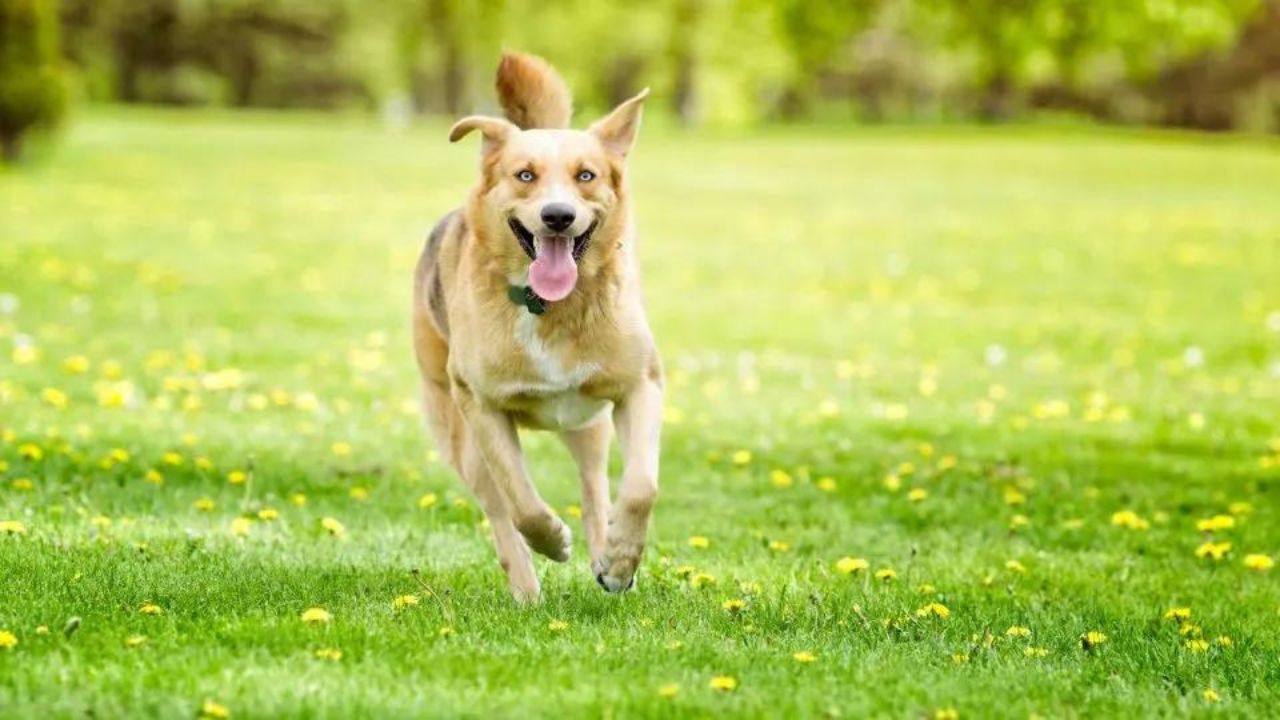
(495, 130)
(617, 130)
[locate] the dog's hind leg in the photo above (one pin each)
(589, 447)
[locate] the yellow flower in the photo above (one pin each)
(557, 626)
(573, 511)
(1259, 562)
(8, 640)
(1240, 507)
(359, 492)
(333, 654)
(700, 542)
(204, 504)
(1018, 631)
(1129, 519)
(779, 546)
(1035, 652)
(669, 690)
(803, 656)
(891, 482)
(404, 601)
(780, 479)
(1215, 523)
(1178, 614)
(54, 398)
(851, 565)
(1189, 629)
(12, 527)
(151, 609)
(741, 457)
(42, 629)
(946, 714)
(1210, 695)
(341, 449)
(827, 484)
(214, 710)
(333, 527)
(917, 494)
(1197, 645)
(935, 609)
(25, 354)
(171, 458)
(734, 605)
(134, 641)
(886, 574)
(700, 580)
(428, 501)
(316, 615)
(1214, 551)
(445, 631)
(154, 477)
(23, 484)
(1014, 496)
(685, 571)
(30, 451)
(723, 683)
(240, 527)
(268, 514)
(237, 477)
(1015, 566)
(76, 364)
(1224, 641)
(298, 499)
(1092, 639)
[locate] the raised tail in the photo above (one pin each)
(532, 93)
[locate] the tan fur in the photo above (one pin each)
(489, 366)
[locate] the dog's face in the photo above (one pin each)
(548, 192)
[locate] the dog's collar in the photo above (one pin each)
(524, 296)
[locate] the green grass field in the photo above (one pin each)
(1021, 372)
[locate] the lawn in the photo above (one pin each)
(940, 404)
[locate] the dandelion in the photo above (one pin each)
(946, 714)
(1210, 695)
(240, 527)
(405, 601)
(333, 527)
(781, 479)
(154, 477)
(741, 457)
(331, 654)
(734, 605)
(669, 690)
(237, 477)
(428, 501)
(699, 542)
(30, 451)
(172, 458)
(1129, 519)
(803, 656)
(723, 683)
(1240, 508)
(316, 615)
(685, 571)
(851, 565)
(1014, 496)
(1216, 523)
(1213, 551)
(673, 644)
(960, 658)
(1178, 614)
(8, 640)
(151, 609)
(12, 527)
(1015, 566)
(1259, 562)
(891, 482)
(917, 494)
(359, 492)
(134, 641)
(557, 626)
(701, 580)
(573, 511)
(827, 484)
(1197, 645)
(214, 710)
(779, 546)
(204, 504)
(1092, 639)
(268, 514)
(445, 631)
(1223, 641)
(1033, 651)
(340, 449)
(54, 398)
(297, 499)
(42, 629)
(886, 574)
(23, 484)
(937, 610)
(1189, 629)
(1018, 631)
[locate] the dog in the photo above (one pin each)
(527, 312)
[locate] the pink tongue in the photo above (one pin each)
(554, 273)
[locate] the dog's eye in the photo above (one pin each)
(586, 176)
(526, 176)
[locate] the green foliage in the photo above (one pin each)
(33, 92)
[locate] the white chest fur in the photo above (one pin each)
(551, 394)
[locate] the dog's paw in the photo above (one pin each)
(547, 535)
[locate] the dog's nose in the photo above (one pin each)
(557, 216)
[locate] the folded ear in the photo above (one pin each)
(495, 130)
(617, 130)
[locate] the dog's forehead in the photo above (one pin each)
(554, 145)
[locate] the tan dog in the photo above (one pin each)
(527, 313)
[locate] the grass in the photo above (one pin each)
(1034, 332)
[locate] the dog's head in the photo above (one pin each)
(549, 192)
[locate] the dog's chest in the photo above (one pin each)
(548, 393)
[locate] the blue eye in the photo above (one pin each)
(526, 176)
(586, 176)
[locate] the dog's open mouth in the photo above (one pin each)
(554, 270)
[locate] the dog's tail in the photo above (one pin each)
(532, 93)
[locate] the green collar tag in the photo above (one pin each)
(522, 295)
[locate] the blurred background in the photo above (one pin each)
(1207, 64)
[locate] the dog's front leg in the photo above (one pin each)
(638, 419)
(499, 446)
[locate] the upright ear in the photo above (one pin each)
(495, 130)
(617, 130)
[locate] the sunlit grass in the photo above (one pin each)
(955, 420)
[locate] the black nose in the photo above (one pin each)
(557, 216)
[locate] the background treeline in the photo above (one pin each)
(1203, 63)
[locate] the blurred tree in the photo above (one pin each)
(32, 88)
